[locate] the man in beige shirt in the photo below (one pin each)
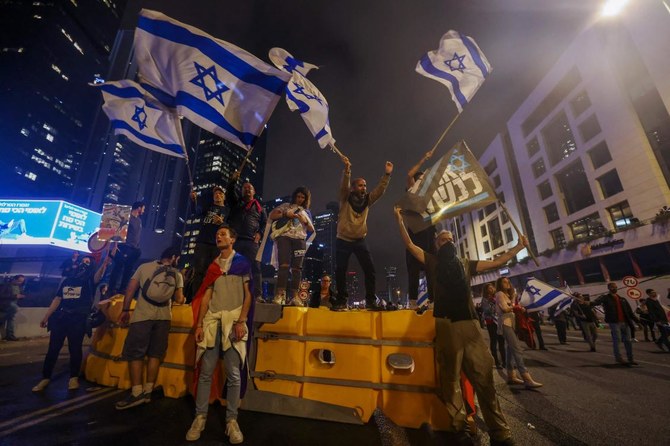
(352, 228)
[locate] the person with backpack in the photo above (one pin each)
(157, 282)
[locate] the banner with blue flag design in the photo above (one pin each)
(459, 64)
(215, 84)
(141, 118)
(538, 296)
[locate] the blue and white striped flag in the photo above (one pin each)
(565, 303)
(538, 296)
(422, 298)
(218, 86)
(302, 95)
(459, 64)
(135, 114)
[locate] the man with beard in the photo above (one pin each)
(157, 282)
(459, 344)
(352, 228)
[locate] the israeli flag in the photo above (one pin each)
(216, 85)
(565, 303)
(141, 118)
(302, 95)
(459, 64)
(422, 298)
(538, 296)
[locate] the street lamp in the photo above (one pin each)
(613, 7)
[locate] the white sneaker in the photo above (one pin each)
(233, 432)
(41, 385)
(73, 384)
(196, 428)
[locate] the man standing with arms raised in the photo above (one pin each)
(352, 228)
(247, 218)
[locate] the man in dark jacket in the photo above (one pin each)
(618, 314)
(658, 317)
(247, 218)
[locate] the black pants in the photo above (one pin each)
(496, 344)
(538, 331)
(72, 327)
(648, 326)
(203, 256)
(123, 267)
(414, 268)
(561, 331)
(249, 249)
(359, 248)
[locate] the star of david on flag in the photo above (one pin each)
(134, 113)
(422, 298)
(302, 95)
(538, 296)
(459, 64)
(215, 84)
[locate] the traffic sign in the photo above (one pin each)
(634, 293)
(630, 281)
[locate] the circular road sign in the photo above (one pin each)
(634, 293)
(630, 281)
(96, 245)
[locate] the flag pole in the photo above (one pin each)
(336, 150)
(451, 124)
(518, 231)
(182, 141)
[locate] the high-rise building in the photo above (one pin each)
(591, 147)
(49, 52)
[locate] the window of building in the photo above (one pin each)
(483, 230)
(558, 237)
(558, 139)
(589, 128)
(591, 271)
(491, 208)
(487, 247)
(480, 214)
(600, 155)
(496, 181)
(552, 276)
(618, 265)
(580, 103)
(509, 237)
(589, 226)
(491, 166)
(551, 212)
(533, 147)
(495, 233)
(610, 183)
(544, 189)
(551, 101)
(653, 260)
(621, 215)
(569, 273)
(575, 187)
(539, 168)
(501, 196)
(504, 217)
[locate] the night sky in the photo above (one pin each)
(380, 108)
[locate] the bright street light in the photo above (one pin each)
(613, 7)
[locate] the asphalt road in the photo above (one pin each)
(586, 400)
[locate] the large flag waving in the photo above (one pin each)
(459, 64)
(539, 296)
(213, 83)
(302, 95)
(454, 185)
(135, 114)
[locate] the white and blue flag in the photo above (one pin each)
(565, 303)
(302, 95)
(216, 85)
(538, 296)
(422, 298)
(141, 118)
(459, 64)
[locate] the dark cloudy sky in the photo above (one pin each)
(380, 108)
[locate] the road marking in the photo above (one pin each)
(57, 410)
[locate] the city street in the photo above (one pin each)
(586, 399)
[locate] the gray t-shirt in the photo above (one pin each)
(134, 232)
(227, 290)
(144, 311)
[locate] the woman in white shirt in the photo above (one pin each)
(505, 298)
(291, 223)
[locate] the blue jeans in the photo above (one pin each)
(9, 311)
(513, 353)
(232, 363)
(621, 333)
